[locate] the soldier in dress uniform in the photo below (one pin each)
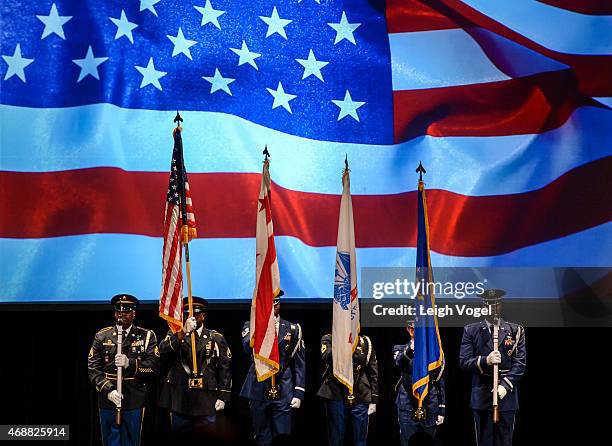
(139, 359)
(339, 405)
(478, 355)
(434, 403)
(193, 404)
(272, 417)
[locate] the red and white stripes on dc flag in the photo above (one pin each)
(171, 298)
(264, 337)
(345, 326)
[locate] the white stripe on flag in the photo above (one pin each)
(76, 268)
(555, 28)
(496, 165)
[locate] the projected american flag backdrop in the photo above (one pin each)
(508, 111)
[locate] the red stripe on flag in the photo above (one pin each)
(532, 104)
(591, 7)
(171, 293)
(413, 15)
(109, 200)
(587, 69)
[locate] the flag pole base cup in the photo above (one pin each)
(273, 393)
(349, 400)
(195, 383)
(496, 414)
(419, 415)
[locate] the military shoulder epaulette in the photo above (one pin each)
(473, 324)
(514, 325)
(105, 329)
(215, 333)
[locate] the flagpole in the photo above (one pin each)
(194, 383)
(495, 375)
(119, 371)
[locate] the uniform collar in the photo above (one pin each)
(126, 332)
(489, 324)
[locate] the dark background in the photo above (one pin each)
(44, 377)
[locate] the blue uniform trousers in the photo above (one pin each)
(494, 434)
(337, 419)
(270, 418)
(408, 427)
(182, 424)
(128, 434)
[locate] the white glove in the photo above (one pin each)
(121, 360)
(190, 325)
(440, 420)
(371, 408)
(114, 397)
(501, 392)
(219, 405)
(494, 358)
(296, 403)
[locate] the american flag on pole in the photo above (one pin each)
(345, 325)
(171, 298)
(507, 103)
(264, 335)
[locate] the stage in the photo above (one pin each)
(44, 376)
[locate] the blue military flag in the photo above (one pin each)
(428, 354)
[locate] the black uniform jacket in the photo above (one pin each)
(214, 365)
(365, 372)
(140, 346)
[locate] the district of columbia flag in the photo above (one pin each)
(345, 326)
(428, 354)
(179, 227)
(264, 336)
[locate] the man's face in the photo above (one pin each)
(200, 318)
(126, 317)
(495, 310)
(276, 309)
(410, 330)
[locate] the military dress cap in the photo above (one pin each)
(276, 299)
(492, 296)
(200, 305)
(124, 302)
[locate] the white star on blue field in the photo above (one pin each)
(54, 23)
(89, 65)
(124, 27)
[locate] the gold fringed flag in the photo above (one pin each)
(179, 227)
(264, 337)
(345, 327)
